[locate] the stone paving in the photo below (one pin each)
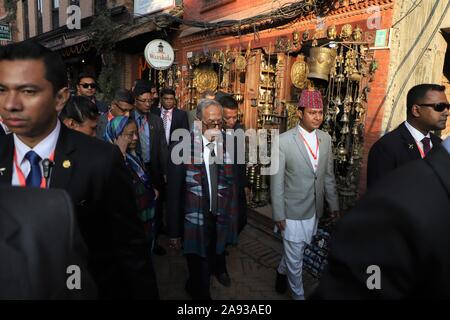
(251, 265)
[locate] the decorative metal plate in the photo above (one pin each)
(299, 72)
(205, 79)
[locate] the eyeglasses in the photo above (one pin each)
(439, 107)
(130, 135)
(212, 125)
(145, 100)
(89, 85)
(121, 109)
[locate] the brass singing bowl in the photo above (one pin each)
(320, 62)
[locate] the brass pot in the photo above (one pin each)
(320, 62)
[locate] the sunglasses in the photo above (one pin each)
(88, 85)
(439, 107)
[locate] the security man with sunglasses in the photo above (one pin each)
(427, 110)
(87, 86)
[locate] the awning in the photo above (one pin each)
(240, 15)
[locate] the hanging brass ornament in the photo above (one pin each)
(241, 63)
(205, 79)
(357, 34)
(320, 62)
(346, 31)
(295, 38)
(331, 32)
(299, 72)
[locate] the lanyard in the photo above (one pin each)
(21, 176)
(422, 153)
(309, 148)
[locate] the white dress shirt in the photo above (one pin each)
(311, 139)
(169, 122)
(44, 149)
(206, 155)
(417, 135)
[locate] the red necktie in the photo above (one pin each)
(426, 145)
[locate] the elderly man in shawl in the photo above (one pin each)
(204, 199)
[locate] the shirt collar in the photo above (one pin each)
(139, 114)
(44, 148)
(206, 142)
(417, 135)
(169, 112)
(306, 133)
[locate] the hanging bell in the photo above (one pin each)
(355, 131)
(344, 118)
(342, 153)
(345, 129)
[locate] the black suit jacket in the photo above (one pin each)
(94, 174)
(158, 150)
(240, 178)
(402, 226)
(39, 240)
(179, 120)
(176, 184)
(2, 132)
(391, 151)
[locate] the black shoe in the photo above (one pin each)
(224, 279)
(281, 283)
(158, 250)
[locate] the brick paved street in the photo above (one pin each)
(251, 265)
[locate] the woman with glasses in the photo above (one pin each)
(123, 132)
(80, 114)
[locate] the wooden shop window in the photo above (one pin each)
(212, 4)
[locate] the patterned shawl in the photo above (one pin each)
(227, 217)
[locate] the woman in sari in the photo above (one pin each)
(123, 132)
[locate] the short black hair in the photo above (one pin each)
(417, 93)
(55, 69)
(80, 109)
(124, 95)
(85, 75)
(142, 86)
(167, 91)
(228, 102)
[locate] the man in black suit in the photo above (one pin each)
(87, 86)
(151, 133)
(43, 153)
(234, 130)
(230, 122)
(152, 143)
(172, 117)
(395, 243)
(35, 258)
(427, 109)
